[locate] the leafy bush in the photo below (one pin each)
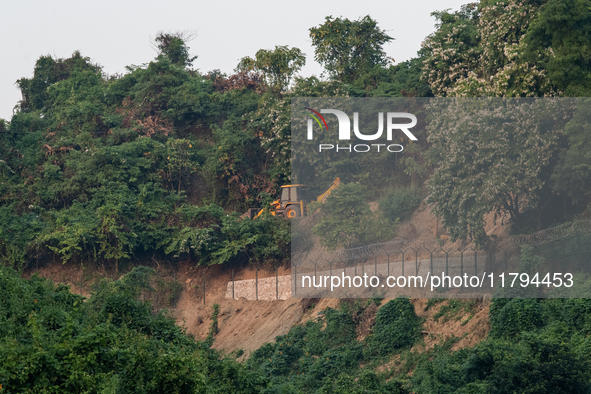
(213, 327)
(348, 221)
(536, 364)
(576, 312)
(397, 326)
(339, 330)
(316, 356)
(401, 203)
(367, 383)
(52, 341)
(511, 317)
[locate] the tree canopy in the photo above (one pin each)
(347, 49)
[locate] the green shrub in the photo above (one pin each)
(367, 383)
(536, 364)
(348, 221)
(51, 341)
(401, 203)
(397, 326)
(213, 327)
(311, 355)
(509, 317)
(575, 312)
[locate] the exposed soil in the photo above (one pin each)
(423, 225)
(248, 325)
(465, 328)
(242, 324)
(470, 326)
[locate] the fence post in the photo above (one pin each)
(375, 265)
(233, 297)
(257, 283)
(431, 257)
(446, 260)
(506, 259)
(176, 298)
(277, 282)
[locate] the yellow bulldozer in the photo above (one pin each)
(293, 202)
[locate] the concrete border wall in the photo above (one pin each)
(268, 289)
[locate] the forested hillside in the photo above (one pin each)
(160, 161)
(104, 168)
(99, 168)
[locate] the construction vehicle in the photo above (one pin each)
(293, 202)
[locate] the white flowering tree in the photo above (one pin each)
(492, 155)
(503, 163)
(481, 51)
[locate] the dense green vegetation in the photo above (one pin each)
(324, 355)
(109, 169)
(509, 49)
(535, 346)
(53, 341)
(160, 162)
(346, 220)
(400, 203)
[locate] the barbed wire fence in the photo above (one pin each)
(567, 245)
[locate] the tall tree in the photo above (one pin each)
(492, 161)
(174, 47)
(277, 66)
(481, 51)
(572, 174)
(561, 32)
(347, 48)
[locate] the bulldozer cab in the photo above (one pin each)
(292, 194)
(292, 203)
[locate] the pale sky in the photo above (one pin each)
(115, 34)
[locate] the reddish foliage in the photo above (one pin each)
(242, 79)
(146, 125)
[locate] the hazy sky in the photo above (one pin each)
(117, 33)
